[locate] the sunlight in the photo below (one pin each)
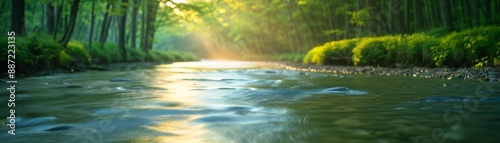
(179, 1)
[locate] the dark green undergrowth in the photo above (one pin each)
(35, 53)
(473, 47)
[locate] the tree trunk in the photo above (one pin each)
(467, 13)
(436, 13)
(105, 25)
(71, 25)
(50, 18)
(293, 26)
(446, 15)
(419, 19)
(347, 33)
(487, 14)
(58, 12)
(143, 26)
(308, 23)
(398, 14)
(17, 20)
(476, 8)
(91, 33)
(152, 7)
(133, 24)
(122, 25)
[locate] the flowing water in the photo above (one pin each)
(212, 101)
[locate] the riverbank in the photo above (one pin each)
(476, 47)
(491, 74)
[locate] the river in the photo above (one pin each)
(216, 101)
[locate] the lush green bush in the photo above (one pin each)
(421, 47)
(65, 59)
(33, 52)
(383, 51)
(135, 54)
(332, 53)
(77, 52)
(473, 47)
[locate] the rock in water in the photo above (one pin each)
(270, 71)
(120, 80)
(34, 121)
(442, 99)
(59, 128)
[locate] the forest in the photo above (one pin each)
(73, 34)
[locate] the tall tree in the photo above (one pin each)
(57, 13)
(105, 24)
(133, 24)
(49, 13)
(419, 19)
(446, 15)
(71, 25)
(91, 33)
(18, 19)
(122, 25)
(152, 7)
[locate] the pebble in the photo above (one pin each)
(491, 74)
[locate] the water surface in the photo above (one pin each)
(212, 101)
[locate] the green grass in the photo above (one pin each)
(473, 47)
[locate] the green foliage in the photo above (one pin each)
(474, 47)
(359, 17)
(135, 54)
(33, 52)
(65, 59)
(477, 46)
(108, 53)
(421, 47)
(77, 52)
(371, 51)
(332, 52)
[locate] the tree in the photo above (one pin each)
(152, 7)
(105, 24)
(91, 33)
(446, 15)
(71, 25)
(419, 19)
(133, 24)
(18, 20)
(50, 18)
(122, 25)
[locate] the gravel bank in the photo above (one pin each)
(491, 74)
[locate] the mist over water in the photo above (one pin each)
(215, 101)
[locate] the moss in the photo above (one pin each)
(77, 52)
(332, 53)
(381, 51)
(477, 46)
(135, 55)
(474, 47)
(65, 59)
(421, 46)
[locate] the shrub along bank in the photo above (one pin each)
(36, 53)
(474, 47)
